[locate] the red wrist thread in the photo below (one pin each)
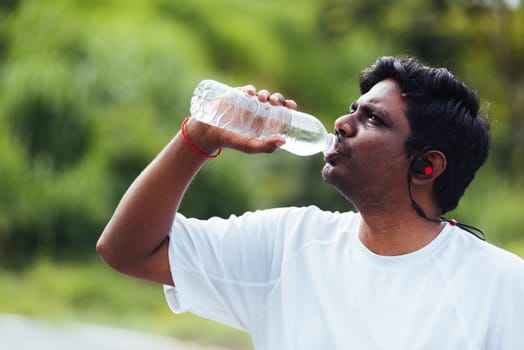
(193, 147)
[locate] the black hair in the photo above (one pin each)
(444, 114)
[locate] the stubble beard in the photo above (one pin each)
(339, 184)
(360, 190)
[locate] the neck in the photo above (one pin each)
(400, 232)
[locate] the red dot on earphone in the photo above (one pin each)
(428, 170)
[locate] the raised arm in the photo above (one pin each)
(135, 241)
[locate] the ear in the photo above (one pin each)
(434, 159)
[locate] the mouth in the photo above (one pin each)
(335, 153)
(331, 157)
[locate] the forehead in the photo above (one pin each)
(386, 96)
(384, 93)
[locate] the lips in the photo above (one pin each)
(331, 157)
(336, 152)
(333, 154)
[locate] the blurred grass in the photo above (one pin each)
(94, 293)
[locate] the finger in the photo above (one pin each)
(290, 104)
(277, 99)
(263, 95)
(249, 144)
(249, 89)
(268, 145)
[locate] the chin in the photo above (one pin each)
(340, 183)
(327, 171)
(330, 177)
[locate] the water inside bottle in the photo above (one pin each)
(225, 113)
(305, 135)
(307, 143)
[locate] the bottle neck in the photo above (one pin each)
(331, 139)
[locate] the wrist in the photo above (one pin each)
(196, 135)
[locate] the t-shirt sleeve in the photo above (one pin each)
(224, 269)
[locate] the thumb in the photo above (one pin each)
(268, 145)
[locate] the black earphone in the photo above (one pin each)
(421, 166)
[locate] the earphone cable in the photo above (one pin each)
(469, 228)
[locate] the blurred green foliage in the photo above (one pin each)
(90, 91)
(80, 292)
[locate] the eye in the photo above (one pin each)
(353, 108)
(373, 119)
(369, 115)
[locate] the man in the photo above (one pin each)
(392, 276)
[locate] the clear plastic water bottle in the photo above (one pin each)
(234, 110)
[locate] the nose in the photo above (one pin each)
(344, 126)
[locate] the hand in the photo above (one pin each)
(275, 99)
(209, 138)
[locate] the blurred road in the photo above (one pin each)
(20, 333)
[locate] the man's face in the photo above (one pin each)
(369, 161)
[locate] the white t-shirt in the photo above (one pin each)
(300, 278)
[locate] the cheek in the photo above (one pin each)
(393, 171)
(379, 161)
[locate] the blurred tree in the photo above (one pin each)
(90, 91)
(496, 30)
(45, 111)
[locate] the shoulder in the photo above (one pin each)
(298, 217)
(297, 226)
(484, 257)
(284, 221)
(481, 273)
(286, 213)
(308, 227)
